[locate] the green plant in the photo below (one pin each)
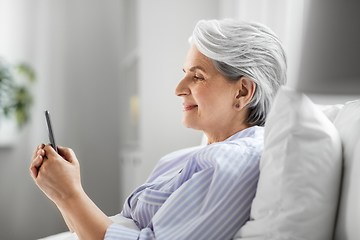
(15, 95)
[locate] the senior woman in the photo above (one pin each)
(232, 72)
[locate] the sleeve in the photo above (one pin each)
(116, 231)
(213, 204)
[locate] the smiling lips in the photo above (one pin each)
(188, 106)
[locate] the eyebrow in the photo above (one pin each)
(195, 68)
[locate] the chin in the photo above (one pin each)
(191, 124)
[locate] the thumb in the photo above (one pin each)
(68, 154)
(50, 151)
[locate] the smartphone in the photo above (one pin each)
(51, 133)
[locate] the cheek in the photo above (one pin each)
(214, 100)
(203, 96)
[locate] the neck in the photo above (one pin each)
(221, 136)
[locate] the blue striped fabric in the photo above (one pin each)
(203, 192)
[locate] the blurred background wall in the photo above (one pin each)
(74, 47)
(107, 71)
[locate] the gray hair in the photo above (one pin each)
(237, 49)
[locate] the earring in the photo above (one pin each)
(237, 105)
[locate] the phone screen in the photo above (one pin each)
(51, 133)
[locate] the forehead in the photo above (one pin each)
(196, 60)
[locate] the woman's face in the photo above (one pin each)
(209, 98)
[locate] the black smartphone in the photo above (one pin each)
(51, 133)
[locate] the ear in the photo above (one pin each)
(246, 90)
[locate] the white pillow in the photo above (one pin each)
(348, 124)
(300, 173)
(330, 111)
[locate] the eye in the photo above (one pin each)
(198, 78)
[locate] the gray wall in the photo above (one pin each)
(331, 49)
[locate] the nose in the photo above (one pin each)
(182, 89)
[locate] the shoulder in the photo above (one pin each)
(242, 149)
(173, 162)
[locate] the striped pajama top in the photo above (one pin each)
(202, 192)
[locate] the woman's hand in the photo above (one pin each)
(58, 176)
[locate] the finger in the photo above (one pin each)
(33, 172)
(41, 152)
(38, 161)
(35, 152)
(50, 151)
(35, 165)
